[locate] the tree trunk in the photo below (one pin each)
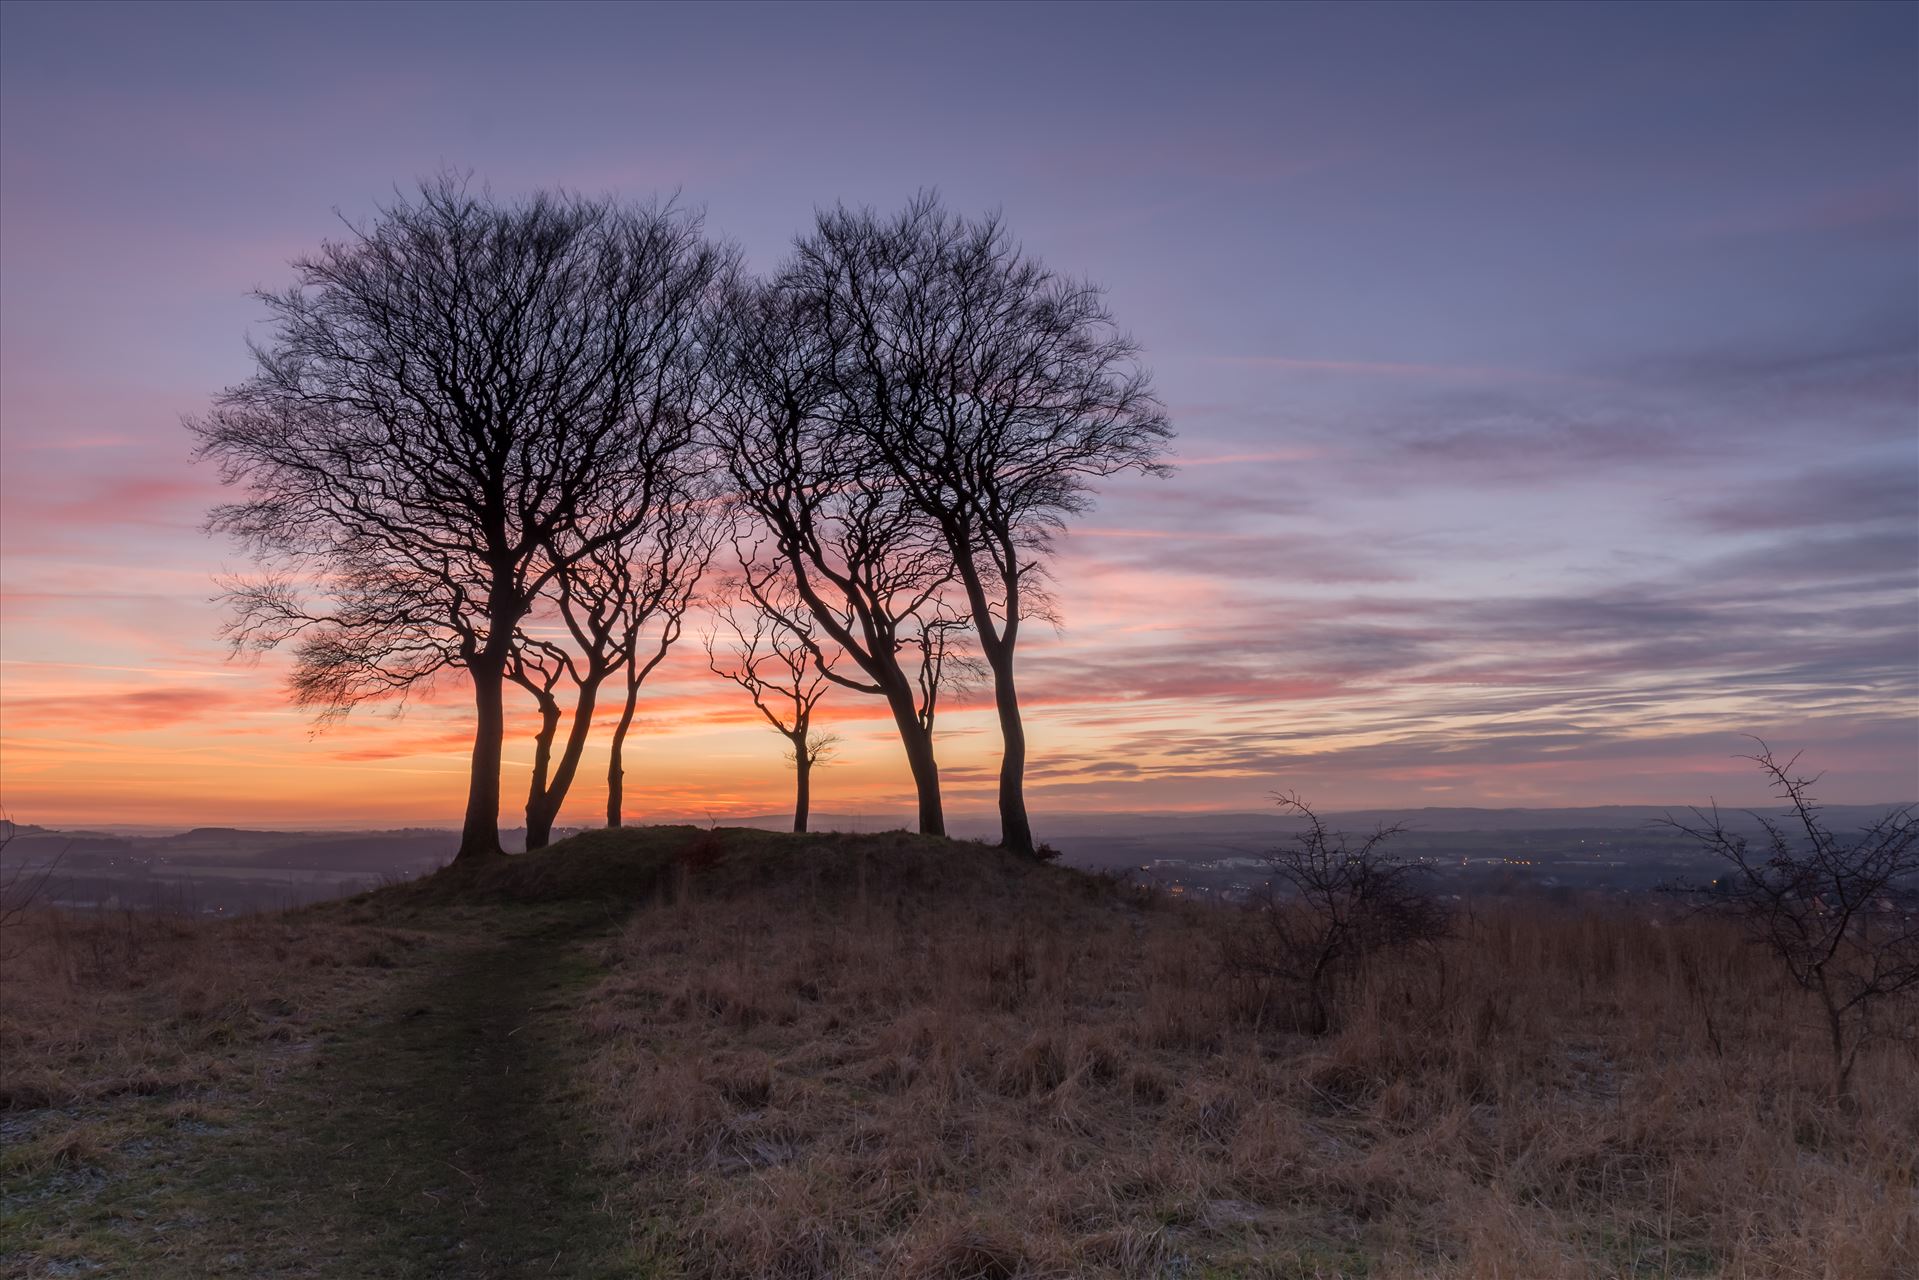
(615, 768)
(803, 784)
(539, 818)
(918, 741)
(539, 826)
(1016, 833)
(1836, 1033)
(884, 669)
(996, 646)
(549, 796)
(480, 836)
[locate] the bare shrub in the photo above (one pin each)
(20, 887)
(1841, 916)
(704, 851)
(1330, 909)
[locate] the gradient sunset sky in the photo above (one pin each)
(1545, 379)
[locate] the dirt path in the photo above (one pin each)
(439, 1138)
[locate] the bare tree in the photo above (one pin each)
(655, 614)
(1330, 907)
(20, 887)
(994, 390)
(455, 407)
(869, 574)
(755, 644)
(643, 593)
(1841, 916)
(615, 608)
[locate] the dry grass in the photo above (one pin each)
(101, 1005)
(889, 1056)
(318, 1094)
(849, 1071)
(131, 1046)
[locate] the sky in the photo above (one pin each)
(1546, 380)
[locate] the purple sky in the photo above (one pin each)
(1545, 375)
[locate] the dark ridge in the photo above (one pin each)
(638, 864)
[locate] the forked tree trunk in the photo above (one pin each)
(884, 670)
(539, 823)
(549, 795)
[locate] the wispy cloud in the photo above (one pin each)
(1460, 373)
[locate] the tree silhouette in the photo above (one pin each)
(454, 408)
(647, 591)
(762, 641)
(872, 577)
(615, 608)
(540, 667)
(993, 390)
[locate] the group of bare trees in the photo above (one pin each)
(511, 440)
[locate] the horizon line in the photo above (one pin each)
(888, 821)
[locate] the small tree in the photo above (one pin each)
(757, 644)
(659, 589)
(1329, 909)
(618, 608)
(1841, 916)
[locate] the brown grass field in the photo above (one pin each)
(753, 1055)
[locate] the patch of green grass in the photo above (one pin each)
(1642, 1253)
(110, 1188)
(1292, 1259)
(431, 1130)
(438, 1137)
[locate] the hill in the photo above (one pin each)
(683, 1052)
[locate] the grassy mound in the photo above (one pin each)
(633, 865)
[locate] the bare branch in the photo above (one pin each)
(1330, 908)
(1840, 916)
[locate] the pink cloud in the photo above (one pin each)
(125, 710)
